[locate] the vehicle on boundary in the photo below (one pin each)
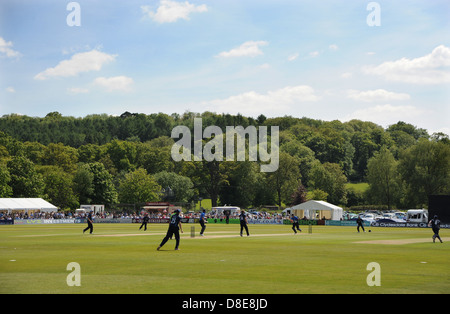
(417, 215)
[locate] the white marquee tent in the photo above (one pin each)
(26, 204)
(316, 210)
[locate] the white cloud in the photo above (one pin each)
(264, 66)
(333, 47)
(247, 49)
(253, 103)
(376, 95)
(386, 115)
(5, 49)
(346, 75)
(171, 11)
(116, 83)
(314, 54)
(293, 57)
(77, 90)
(81, 62)
(432, 68)
(10, 89)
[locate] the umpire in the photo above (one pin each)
(243, 221)
(174, 229)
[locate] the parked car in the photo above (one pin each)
(400, 215)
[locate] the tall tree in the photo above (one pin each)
(241, 187)
(25, 181)
(181, 186)
(286, 179)
(425, 168)
(83, 183)
(58, 187)
(300, 195)
(62, 156)
(104, 191)
(139, 187)
(5, 178)
(330, 178)
(382, 175)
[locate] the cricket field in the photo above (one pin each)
(119, 258)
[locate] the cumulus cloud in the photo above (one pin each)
(81, 62)
(247, 49)
(432, 68)
(253, 103)
(116, 83)
(387, 114)
(376, 95)
(6, 49)
(171, 11)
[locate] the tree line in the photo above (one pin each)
(126, 159)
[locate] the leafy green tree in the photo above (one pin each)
(408, 129)
(264, 194)
(208, 177)
(182, 187)
(285, 180)
(5, 178)
(365, 147)
(139, 187)
(104, 191)
(89, 153)
(305, 157)
(384, 182)
(240, 188)
(155, 155)
(34, 151)
(425, 169)
(60, 155)
(58, 187)
(83, 183)
(317, 195)
(330, 178)
(122, 154)
(300, 195)
(25, 181)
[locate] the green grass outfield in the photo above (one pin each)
(118, 258)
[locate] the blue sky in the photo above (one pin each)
(318, 59)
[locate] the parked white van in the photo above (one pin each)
(417, 215)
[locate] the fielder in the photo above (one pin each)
(435, 225)
(174, 229)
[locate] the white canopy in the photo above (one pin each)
(311, 209)
(26, 204)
